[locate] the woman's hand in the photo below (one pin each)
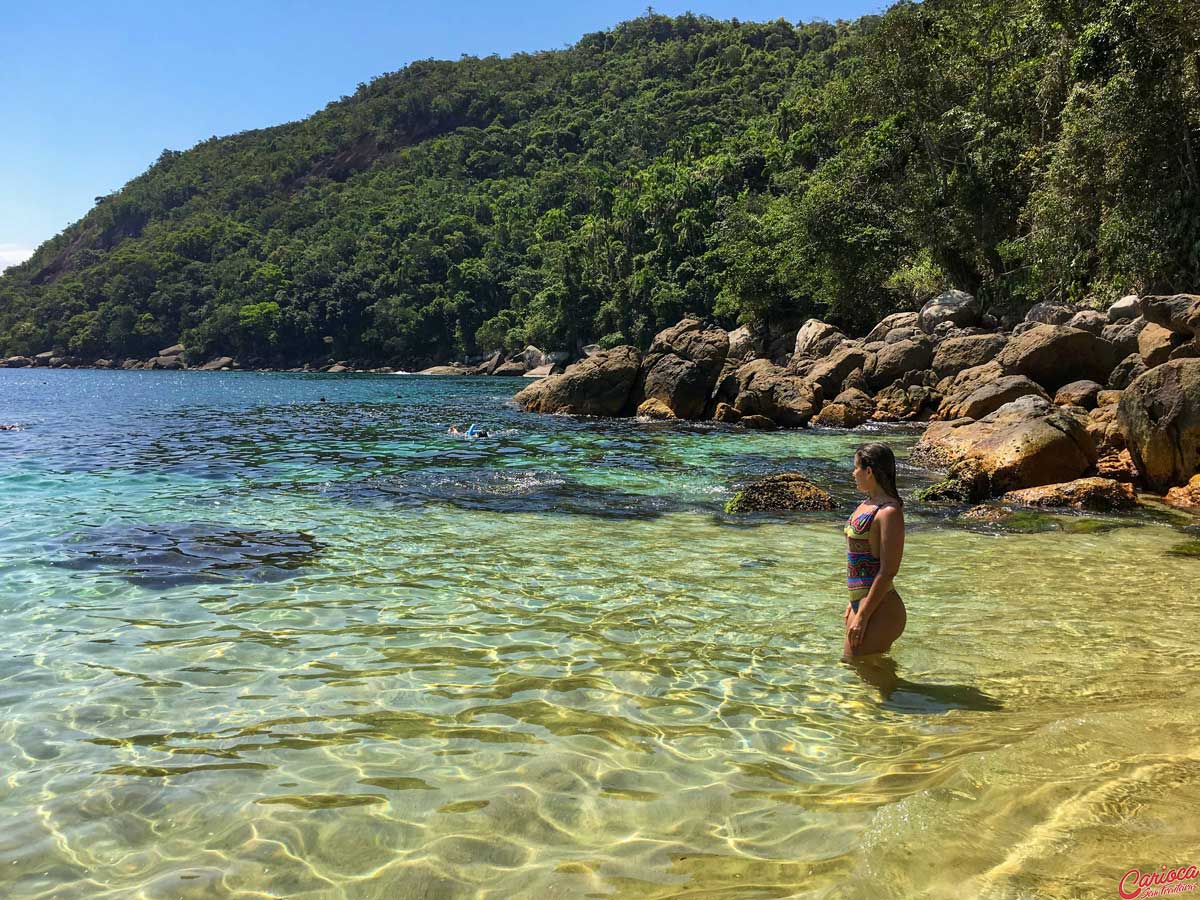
(856, 629)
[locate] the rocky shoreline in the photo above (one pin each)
(530, 362)
(1068, 407)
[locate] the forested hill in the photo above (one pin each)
(1019, 149)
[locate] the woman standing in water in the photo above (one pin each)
(875, 616)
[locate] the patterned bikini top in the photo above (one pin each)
(859, 527)
(862, 566)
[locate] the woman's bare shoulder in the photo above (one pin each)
(893, 513)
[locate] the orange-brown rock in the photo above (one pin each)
(597, 386)
(1054, 355)
(1159, 415)
(1097, 494)
(1186, 495)
(655, 409)
(1025, 443)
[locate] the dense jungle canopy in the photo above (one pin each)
(1023, 151)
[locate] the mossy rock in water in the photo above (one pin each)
(1187, 548)
(780, 493)
(966, 482)
(1092, 526)
(1025, 522)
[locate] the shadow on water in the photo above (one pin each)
(898, 694)
(170, 555)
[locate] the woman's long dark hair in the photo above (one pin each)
(882, 463)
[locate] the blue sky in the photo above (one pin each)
(95, 91)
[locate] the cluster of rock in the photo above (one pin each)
(530, 363)
(169, 359)
(1062, 395)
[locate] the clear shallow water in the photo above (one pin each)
(253, 644)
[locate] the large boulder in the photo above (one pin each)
(815, 339)
(765, 389)
(682, 367)
(513, 368)
(1049, 314)
(849, 409)
(597, 386)
(173, 350)
(1054, 355)
(1123, 335)
(1177, 312)
(744, 342)
(899, 402)
(1089, 320)
(955, 307)
(988, 397)
(1097, 494)
(891, 323)
(532, 357)
(776, 493)
(1128, 307)
(897, 359)
(1025, 443)
(1105, 430)
(18, 362)
(1083, 393)
(1159, 414)
(1155, 344)
(958, 353)
(1128, 369)
(218, 363)
(835, 368)
(679, 384)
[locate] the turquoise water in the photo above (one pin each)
(280, 635)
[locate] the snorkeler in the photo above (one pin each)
(471, 432)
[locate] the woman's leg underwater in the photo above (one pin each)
(883, 628)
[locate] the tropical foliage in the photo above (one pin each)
(1028, 150)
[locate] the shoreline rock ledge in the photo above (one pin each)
(1062, 395)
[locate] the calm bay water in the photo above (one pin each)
(282, 636)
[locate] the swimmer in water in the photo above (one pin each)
(471, 432)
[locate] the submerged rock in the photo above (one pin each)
(757, 423)
(777, 493)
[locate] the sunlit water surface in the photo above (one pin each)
(282, 636)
